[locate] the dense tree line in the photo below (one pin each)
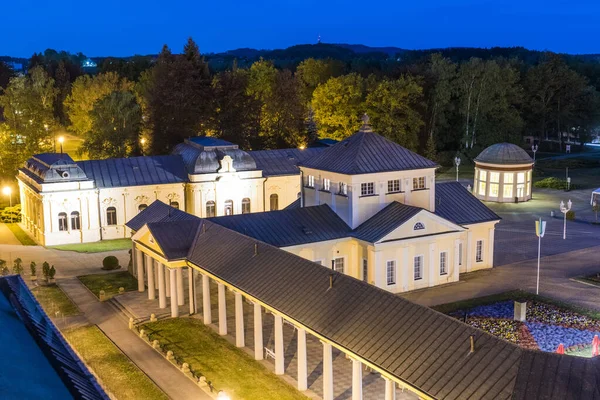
(437, 104)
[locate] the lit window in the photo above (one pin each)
(210, 209)
(274, 202)
(338, 265)
(509, 177)
(494, 187)
(246, 206)
(62, 221)
(494, 177)
(343, 189)
(174, 204)
(443, 263)
(508, 190)
(460, 254)
(418, 226)
(367, 189)
(75, 221)
(228, 207)
(326, 184)
(479, 251)
(418, 267)
(521, 177)
(111, 216)
(142, 207)
(310, 181)
(365, 270)
(419, 183)
(391, 272)
(482, 188)
(482, 175)
(394, 186)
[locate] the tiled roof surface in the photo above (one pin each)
(282, 162)
(454, 203)
(385, 221)
(366, 152)
(158, 211)
(135, 171)
(175, 237)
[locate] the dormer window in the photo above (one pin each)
(310, 181)
(326, 184)
(418, 226)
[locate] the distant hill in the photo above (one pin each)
(361, 49)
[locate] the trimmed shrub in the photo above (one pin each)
(109, 263)
(553, 183)
(17, 266)
(3, 268)
(51, 272)
(570, 215)
(46, 270)
(33, 268)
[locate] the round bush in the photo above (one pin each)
(110, 262)
(571, 215)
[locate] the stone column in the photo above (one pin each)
(279, 356)
(258, 332)
(174, 307)
(206, 306)
(302, 368)
(222, 310)
(140, 270)
(357, 392)
(390, 389)
(162, 295)
(240, 340)
(180, 294)
(168, 283)
(150, 271)
(327, 372)
(194, 276)
(155, 267)
(192, 292)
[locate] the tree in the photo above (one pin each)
(116, 121)
(313, 73)
(338, 105)
(438, 85)
(6, 72)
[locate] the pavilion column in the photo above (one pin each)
(180, 294)
(357, 392)
(279, 356)
(327, 372)
(155, 268)
(222, 310)
(194, 276)
(191, 291)
(390, 389)
(150, 271)
(239, 321)
(140, 270)
(162, 296)
(206, 306)
(302, 368)
(174, 307)
(168, 283)
(258, 332)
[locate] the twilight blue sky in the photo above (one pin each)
(126, 27)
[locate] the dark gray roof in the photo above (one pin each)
(53, 167)
(175, 237)
(294, 204)
(282, 162)
(288, 227)
(206, 160)
(454, 203)
(135, 171)
(366, 152)
(208, 141)
(505, 154)
(385, 221)
(158, 211)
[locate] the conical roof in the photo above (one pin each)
(504, 154)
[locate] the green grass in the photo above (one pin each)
(110, 283)
(96, 247)
(227, 367)
(21, 235)
(115, 370)
(53, 299)
(593, 279)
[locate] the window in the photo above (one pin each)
(210, 209)
(75, 221)
(274, 200)
(495, 177)
(460, 254)
(338, 265)
(174, 204)
(508, 190)
(509, 178)
(494, 188)
(326, 184)
(111, 216)
(479, 251)
(142, 207)
(443, 263)
(482, 188)
(418, 267)
(418, 226)
(494, 184)
(394, 186)
(310, 181)
(521, 177)
(365, 270)
(246, 206)
(419, 183)
(62, 221)
(228, 207)
(391, 272)
(343, 189)
(367, 189)
(483, 175)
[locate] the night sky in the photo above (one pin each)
(126, 27)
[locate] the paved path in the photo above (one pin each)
(7, 237)
(115, 326)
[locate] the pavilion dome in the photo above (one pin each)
(504, 154)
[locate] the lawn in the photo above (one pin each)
(95, 247)
(110, 283)
(117, 374)
(227, 367)
(593, 279)
(21, 235)
(53, 299)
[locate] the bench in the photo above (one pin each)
(269, 353)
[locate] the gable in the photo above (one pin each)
(424, 223)
(145, 237)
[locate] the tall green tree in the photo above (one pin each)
(312, 73)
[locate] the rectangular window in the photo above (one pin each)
(111, 216)
(62, 222)
(460, 254)
(343, 189)
(326, 184)
(418, 267)
(509, 177)
(338, 265)
(394, 186)
(367, 189)
(482, 188)
(494, 187)
(479, 251)
(310, 181)
(365, 270)
(419, 183)
(495, 177)
(443, 263)
(391, 272)
(508, 191)
(521, 177)
(483, 175)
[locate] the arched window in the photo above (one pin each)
(274, 202)
(175, 204)
(142, 207)
(111, 216)
(228, 207)
(246, 206)
(62, 221)
(418, 226)
(75, 221)
(210, 209)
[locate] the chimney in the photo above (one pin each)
(472, 340)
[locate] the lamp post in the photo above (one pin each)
(61, 139)
(142, 142)
(7, 191)
(534, 148)
(565, 210)
(540, 230)
(457, 163)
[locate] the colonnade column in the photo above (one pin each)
(174, 307)
(327, 372)
(140, 270)
(302, 368)
(206, 306)
(357, 393)
(222, 310)
(168, 283)
(390, 389)
(191, 290)
(279, 357)
(162, 297)
(258, 332)
(150, 273)
(240, 340)
(180, 295)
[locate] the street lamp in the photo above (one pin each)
(534, 148)
(457, 163)
(540, 230)
(7, 191)
(61, 139)
(565, 210)
(222, 396)
(142, 142)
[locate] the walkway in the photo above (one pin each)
(7, 237)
